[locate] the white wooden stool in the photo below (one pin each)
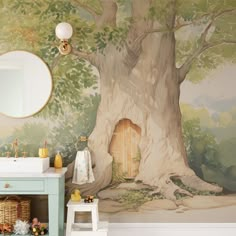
(74, 207)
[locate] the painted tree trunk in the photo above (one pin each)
(149, 97)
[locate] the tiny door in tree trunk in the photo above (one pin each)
(124, 147)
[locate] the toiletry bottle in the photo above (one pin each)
(58, 161)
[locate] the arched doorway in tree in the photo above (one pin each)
(124, 148)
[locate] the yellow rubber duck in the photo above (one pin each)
(75, 196)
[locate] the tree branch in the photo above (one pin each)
(184, 69)
(55, 61)
(90, 57)
(230, 10)
(141, 28)
(86, 7)
(158, 30)
(142, 36)
(178, 25)
(108, 16)
(217, 43)
(136, 31)
(171, 16)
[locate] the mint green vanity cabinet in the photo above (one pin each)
(50, 182)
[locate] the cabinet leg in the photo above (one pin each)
(69, 221)
(56, 215)
(95, 218)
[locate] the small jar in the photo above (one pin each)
(58, 161)
(43, 152)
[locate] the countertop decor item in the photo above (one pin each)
(21, 227)
(43, 152)
(58, 161)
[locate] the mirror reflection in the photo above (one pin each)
(25, 84)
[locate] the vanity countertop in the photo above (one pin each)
(49, 173)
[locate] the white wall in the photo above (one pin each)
(172, 229)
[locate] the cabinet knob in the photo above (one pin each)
(6, 185)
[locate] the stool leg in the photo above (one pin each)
(69, 221)
(95, 218)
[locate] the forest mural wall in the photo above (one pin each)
(149, 82)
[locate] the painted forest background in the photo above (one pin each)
(208, 122)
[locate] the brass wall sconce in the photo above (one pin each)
(64, 32)
(83, 138)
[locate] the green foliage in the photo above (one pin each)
(224, 177)
(212, 162)
(117, 175)
(116, 36)
(227, 152)
(190, 10)
(93, 4)
(65, 135)
(191, 190)
(71, 78)
(231, 172)
(198, 13)
(137, 157)
(30, 137)
(195, 9)
(201, 146)
(160, 11)
(135, 198)
(35, 131)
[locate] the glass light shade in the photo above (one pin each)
(64, 30)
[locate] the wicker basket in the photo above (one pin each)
(13, 208)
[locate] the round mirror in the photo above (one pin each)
(25, 84)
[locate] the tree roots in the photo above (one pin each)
(169, 189)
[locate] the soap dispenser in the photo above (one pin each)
(58, 161)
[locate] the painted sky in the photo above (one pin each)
(216, 93)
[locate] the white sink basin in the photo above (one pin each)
(21, 164)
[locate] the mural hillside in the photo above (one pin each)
(148, 82)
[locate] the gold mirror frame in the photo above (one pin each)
(25, 84)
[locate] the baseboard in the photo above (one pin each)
(171, 229)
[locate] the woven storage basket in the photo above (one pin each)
(13, 208)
